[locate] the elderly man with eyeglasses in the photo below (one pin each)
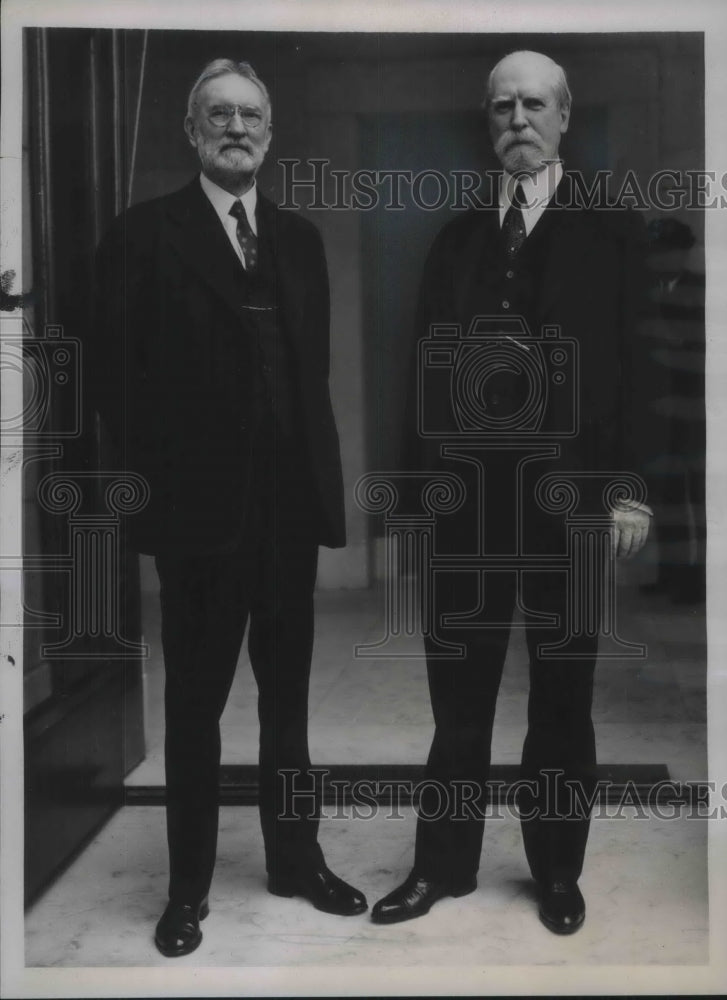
(210, 369)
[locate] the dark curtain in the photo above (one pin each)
(84, 722)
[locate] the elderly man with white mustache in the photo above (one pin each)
(559, 265)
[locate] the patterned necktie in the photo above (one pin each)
(513, 225)
(245, 236)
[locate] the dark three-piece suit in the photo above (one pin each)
(213, 382)
(580, 272)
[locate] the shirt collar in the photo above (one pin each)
(222, 201)
(538, 188)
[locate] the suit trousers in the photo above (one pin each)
(207, 601)
(559, 754)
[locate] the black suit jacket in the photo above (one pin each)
(591, 283)
(171, 366)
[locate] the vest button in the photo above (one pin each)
(510, 274)
(505, 304)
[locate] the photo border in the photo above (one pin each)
(708, 16)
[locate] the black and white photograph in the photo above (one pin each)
(363, 537)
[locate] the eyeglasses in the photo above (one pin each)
(223, 115)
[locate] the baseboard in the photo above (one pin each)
(346, 784)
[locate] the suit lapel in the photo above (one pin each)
(194, 230)
(290, 274)
(478, 264)
(562, 224)
(479, 256)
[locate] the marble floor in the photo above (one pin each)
(645, 880)
(645, 887)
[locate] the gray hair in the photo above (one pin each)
(222, 67)
(560, 84)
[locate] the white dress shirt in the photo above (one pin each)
(222, 201)
(538, 189)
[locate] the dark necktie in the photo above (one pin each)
(245, 236)
(513, 225)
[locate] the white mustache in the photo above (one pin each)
(510, 139)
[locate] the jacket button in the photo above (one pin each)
(505, 304)
(510, 274)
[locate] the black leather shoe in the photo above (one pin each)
(178, 930)
(326, 891)
(562, 907)
(415, 897)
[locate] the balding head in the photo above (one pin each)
(528, 107)
(535, 62)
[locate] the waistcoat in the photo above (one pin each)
(275, 389)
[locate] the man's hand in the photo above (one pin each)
(630, 531)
